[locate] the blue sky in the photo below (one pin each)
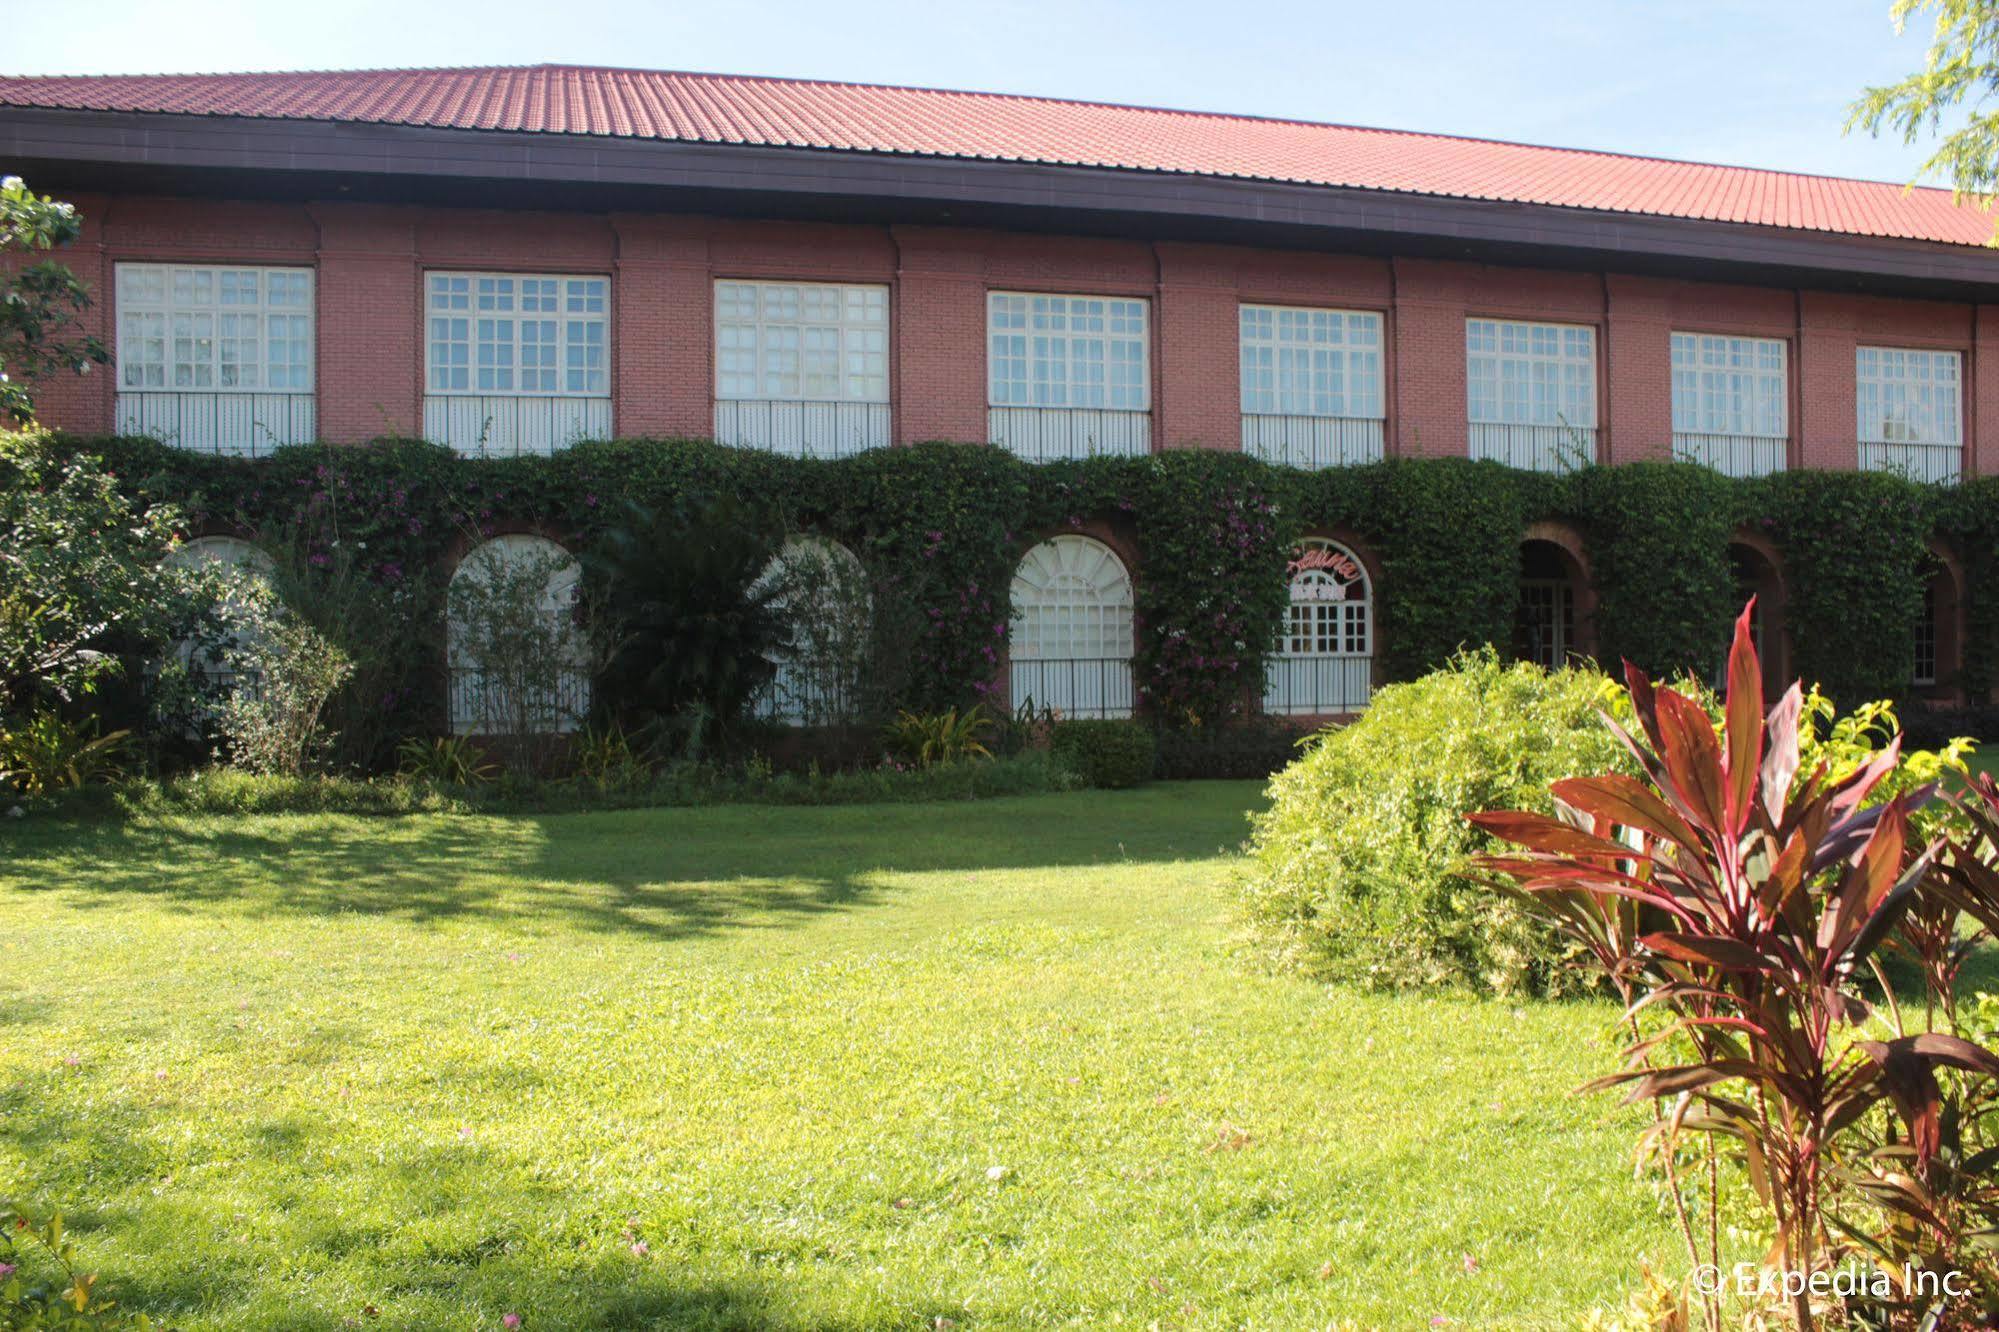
(1757, 82)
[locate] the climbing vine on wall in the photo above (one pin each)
(941, 527)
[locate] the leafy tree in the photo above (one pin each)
(694, 626)
(1960, 73)
(81, 572)
(38, 303)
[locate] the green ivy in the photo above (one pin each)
(941, 527)
(1853, 545)
(1657, 537)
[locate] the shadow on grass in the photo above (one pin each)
(667, 874)
(447, 1222)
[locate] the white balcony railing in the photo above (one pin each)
(1312, 442)
(1073, 686)
(1939, 464)
(1733, 455)
(499, 426)
(1044, 434)
(1317, 686)
(247, 425)
(1534, 448)
(802, 429)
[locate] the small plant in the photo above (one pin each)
(46, 754)
(607, 761)
(276, 727)
(448, 760)
(1106, 753)
(940, 737)
(58, 1297)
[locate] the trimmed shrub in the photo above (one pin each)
(1252, 748)
(1359, 869)
(1106, 753)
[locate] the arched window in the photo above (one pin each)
(1544, 623)
(1324, 663)
(515, 654)
(213, 662)
(1937, 664)
(1072, 629)
(824, 592)
(1756, 575)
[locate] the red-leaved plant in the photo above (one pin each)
(1739, 907)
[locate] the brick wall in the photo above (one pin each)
(370, 346)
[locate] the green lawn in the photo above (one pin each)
(978, 1065)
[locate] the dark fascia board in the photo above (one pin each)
(253, 157)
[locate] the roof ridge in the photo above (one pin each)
(1610, 154)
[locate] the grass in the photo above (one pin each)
(980, 1065)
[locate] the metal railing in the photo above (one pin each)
(245, 425)
(1073, 686)
(1733, 455)
(1307, 686)
(1312, 442)
(805, 696)
(1044, 434)
(1938, 464)
(1534, 448)
(481, 705)
(802, 429)
(499, 426)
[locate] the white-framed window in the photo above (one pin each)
(823, 590)
(1067, 351)
(200, 328)
(1927, 637)
(495, 697)
(1308, 362)
(1909, 405)
(1324, 662)
(1731, 403)
(1726, 385)
(517, 335)
(1530, 374)
(1072, 638)
(801, 342)
(1908, 397)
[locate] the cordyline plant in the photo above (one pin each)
(1747, 903)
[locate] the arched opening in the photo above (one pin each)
(1072, 630)
(1324, 660)
(514, 652)
(823, 590)
(1551, 621)
(215, 664)
(1755, 572)
(1939, 630)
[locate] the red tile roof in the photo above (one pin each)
(718, 108)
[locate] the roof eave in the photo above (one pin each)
(253, 157)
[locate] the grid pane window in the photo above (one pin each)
(1066, 351)
(1310, 362)
(1908, 397)
(211, 330)
(800, 342)
(1530, 374)
(529, 335)
(1729, 386)
(1330, 608)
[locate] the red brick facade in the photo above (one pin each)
(371, 259)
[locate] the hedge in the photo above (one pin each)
(944, 524)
